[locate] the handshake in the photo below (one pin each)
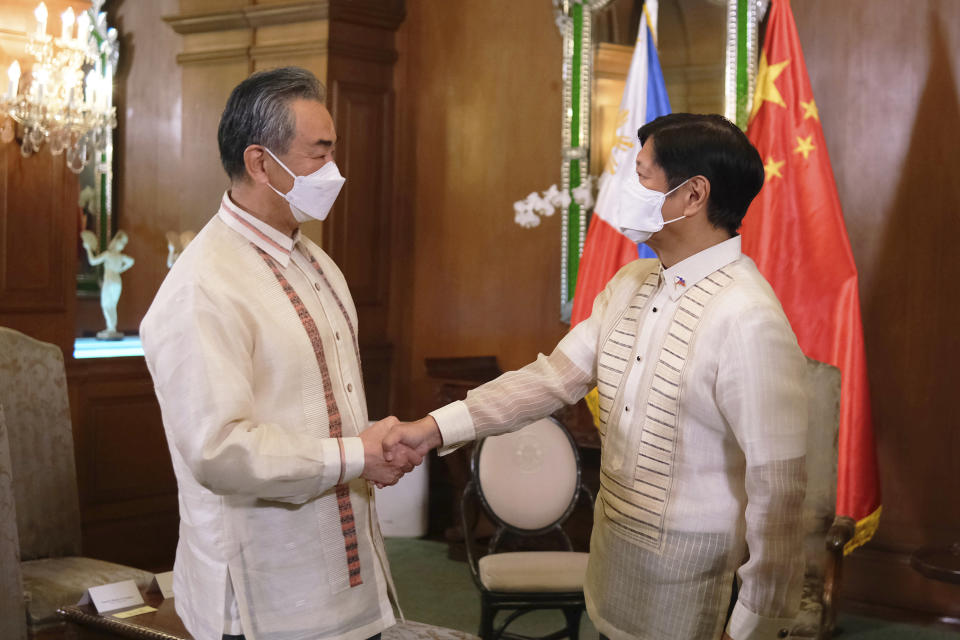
(392, 448)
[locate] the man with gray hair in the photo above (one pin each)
(252, 345)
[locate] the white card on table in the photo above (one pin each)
(110, 597)
(162, 582)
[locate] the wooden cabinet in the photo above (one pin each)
(128, 493)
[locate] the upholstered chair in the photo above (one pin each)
(33, 393)
(13, 619)
(825, 534)
(528, 483)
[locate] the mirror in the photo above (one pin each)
(95, 198)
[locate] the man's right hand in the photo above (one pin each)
(420, 436)
(378, 470)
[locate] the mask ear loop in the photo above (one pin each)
(285, 168)
(665, 196)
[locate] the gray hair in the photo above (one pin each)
(258, 112)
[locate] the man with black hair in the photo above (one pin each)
(702, 406)
(251, 342)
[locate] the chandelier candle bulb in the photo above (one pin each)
(66, 24)
(40, 13)
(83, 28)
(13, 75)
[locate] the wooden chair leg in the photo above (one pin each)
(839, 534)
(573, 614)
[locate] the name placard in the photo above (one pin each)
(129, 613)
(110, 597)
(163, 583)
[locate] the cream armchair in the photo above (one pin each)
(825, 534)
(13, 619)
(42, 475)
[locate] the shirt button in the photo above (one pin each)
(316, 285)
(349, 387)
(654, 309)
(639, 358)
(627, 409)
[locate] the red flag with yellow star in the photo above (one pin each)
(795, 233)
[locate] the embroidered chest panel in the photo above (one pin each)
(636, 508)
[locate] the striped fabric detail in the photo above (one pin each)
(614, 359)
(344, 505)
(636, 510)
(343, 309)
(260, 234)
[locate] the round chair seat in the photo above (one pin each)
(534, 571)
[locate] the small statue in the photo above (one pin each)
(176, 244)
(114, 263)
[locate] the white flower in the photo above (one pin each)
(583, 195)
(559, 199)
(539, 205)
(524, 215)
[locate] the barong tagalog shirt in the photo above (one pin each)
(703, 416)
(251, 343)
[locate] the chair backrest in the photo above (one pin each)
(13, 615)
(33, 392)
(823, 426)
(528, 480)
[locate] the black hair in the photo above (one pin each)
(689, 144)
(258, 112)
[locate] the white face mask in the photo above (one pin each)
(313, 195)
(641, 210)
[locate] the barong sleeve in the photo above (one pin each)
(200, 359)
(519, 397)
(761, 391)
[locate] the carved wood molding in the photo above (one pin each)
(387, 15)
(252, 52)
(249, 17)
(213, 55)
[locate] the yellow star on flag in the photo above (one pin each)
(810, 110)
(804, 146)
(772, 168)
(766, 87)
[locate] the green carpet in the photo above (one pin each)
(437, 590)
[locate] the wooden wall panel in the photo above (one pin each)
(128, 494)
(888, 101)
(38, 226)
(481, 129)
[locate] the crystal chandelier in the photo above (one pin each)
(68, 102)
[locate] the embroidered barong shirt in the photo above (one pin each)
(702, 406)
(251, 343)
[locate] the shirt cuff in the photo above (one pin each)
(747, 625)
(353, 458)
(456, 426)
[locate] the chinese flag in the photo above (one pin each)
(795, 233)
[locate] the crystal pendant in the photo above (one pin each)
(26, 149)
(59, 140)
(77, 156)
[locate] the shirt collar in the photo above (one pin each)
(275, 243)
(686, 273)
